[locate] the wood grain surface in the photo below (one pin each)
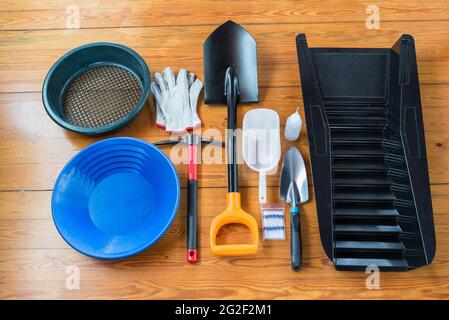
(34, 258)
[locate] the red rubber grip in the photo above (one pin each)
(192, 255)
(192, 156)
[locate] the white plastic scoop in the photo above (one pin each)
(261, 145)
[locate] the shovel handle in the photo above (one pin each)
(234, 215)
(232, 95)
(295, 239)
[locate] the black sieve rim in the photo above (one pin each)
(55, 111)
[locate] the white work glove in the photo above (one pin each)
(178, 111)
(176, 100)
(195, 86)
(161, 94)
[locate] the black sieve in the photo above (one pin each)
(96, 88)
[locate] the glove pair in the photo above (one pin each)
(176, 100)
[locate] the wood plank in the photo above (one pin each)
(158, 273)
(26, 56)
(34, 149)
(23, 115)
(25, 205)
(18, 232)
(52, 14)
(41, 176)
(34, 207)
(303, 286)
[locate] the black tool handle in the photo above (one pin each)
(192, 221)
(295, 239)
(232, 96)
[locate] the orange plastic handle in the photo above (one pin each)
(234, 214)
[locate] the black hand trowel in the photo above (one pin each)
(230, 77)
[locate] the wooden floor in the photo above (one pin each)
(33, 257)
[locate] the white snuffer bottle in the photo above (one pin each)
(293, 126)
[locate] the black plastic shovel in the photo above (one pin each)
(230, 77)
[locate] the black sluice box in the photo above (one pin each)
(368, 154)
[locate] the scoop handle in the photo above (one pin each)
(262, 188)
(295, 239)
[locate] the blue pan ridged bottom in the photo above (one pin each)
(115, 198)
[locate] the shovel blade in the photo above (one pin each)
(230, 45)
